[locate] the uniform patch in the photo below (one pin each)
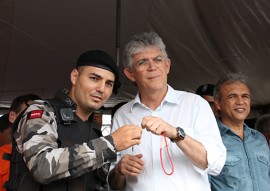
(35, 114)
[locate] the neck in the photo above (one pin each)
(82, 115)
(80, 112)
(153, 99)
(236, 127)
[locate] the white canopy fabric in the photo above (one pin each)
(41, 40)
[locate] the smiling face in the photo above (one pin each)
(149, 70)
(91, 88)
(234, 104)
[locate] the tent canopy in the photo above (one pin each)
(41, 40)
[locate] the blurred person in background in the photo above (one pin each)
(206, 91)
(17, 106)
(5, 142)
(263, 125)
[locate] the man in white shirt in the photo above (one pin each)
(182, 121)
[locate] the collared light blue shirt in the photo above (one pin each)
(247, 166)
(180, 109)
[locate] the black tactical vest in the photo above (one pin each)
(69, 134)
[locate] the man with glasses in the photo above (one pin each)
(177, 124)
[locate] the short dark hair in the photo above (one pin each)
(4, 123)
(18, 102)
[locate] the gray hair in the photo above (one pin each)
(139, 42)
(229, 79)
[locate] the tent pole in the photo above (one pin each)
(118, 30)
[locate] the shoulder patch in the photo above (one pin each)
(35, 114)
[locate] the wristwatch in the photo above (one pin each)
(180, 135)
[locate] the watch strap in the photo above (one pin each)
(180, 135)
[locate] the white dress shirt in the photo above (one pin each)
(180, 109)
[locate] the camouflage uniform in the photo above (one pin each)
(37, 140)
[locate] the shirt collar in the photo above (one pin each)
(170, 97)
(224, 129)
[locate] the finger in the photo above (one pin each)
(135, 142)
(160, 129)
(131, 165)
(135, 164)
(134, 174)
(154, 124)
(128, 165)
(139, 156)
(145, 120)
(137, 134)
(134, 131)
(149, 123)
(155, 128)
(132, 142)
(133, 170)
(135, 159)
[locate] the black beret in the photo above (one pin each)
(205, 89)
(4, 123)
(100, 59)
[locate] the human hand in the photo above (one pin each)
(130, 165)
(127, 136)
(157, 126)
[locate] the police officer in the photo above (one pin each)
(66, 155)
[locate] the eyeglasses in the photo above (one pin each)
(144, 63)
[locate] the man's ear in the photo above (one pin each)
(217, 104)
(74, 76)
(129, 74)
(168, 65)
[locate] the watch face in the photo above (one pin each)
(181, 133)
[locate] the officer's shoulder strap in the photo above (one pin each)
(63, 106)
(64, 113)
(57, 105)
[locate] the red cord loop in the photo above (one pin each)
(168, 153)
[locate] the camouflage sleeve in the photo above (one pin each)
(36, 139)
